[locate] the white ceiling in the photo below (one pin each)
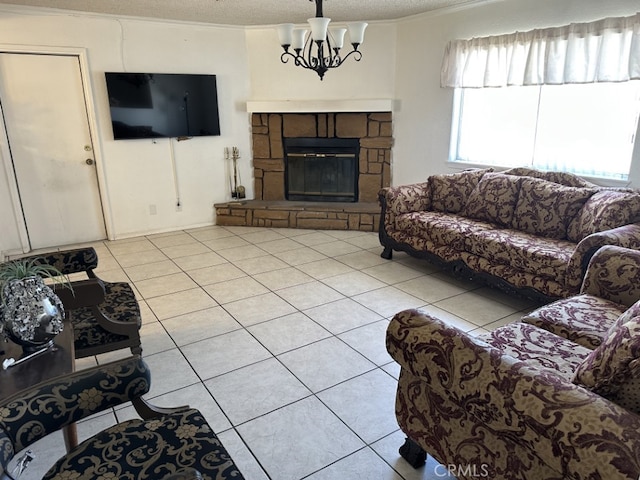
(249, 12)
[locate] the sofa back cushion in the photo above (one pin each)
(494, 198)
(604, 210)
(563, 178)
(546, 209)
(613, 369)
(449, 192)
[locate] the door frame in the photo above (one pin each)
(5, 152)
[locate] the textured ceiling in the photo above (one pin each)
(249, 12)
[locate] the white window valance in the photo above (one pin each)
(607, 50)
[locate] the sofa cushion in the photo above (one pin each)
(545, 257)
(613, 369)
(546, 208)
(604, 210)
(494, 198)
(537, 347)
(563, 178)
(449, 192)
(441, 228)
(149, 450)
(584, 319)
(422, 244)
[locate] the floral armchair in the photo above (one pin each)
(165, 444)
(105, 315)
(504, 405)
(554, 396)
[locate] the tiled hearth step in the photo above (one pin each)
(362, 216)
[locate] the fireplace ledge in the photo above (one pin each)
(321, 106)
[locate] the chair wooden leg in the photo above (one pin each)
(70, 435)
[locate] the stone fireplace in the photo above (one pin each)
(372, 133)
(372, 130)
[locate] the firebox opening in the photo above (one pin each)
(321, 169)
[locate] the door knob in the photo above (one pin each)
(89, 161)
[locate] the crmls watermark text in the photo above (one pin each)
(473, 471)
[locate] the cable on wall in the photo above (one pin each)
(124, 67)
(176, 183)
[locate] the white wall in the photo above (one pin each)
(423, 119)
(372, 77)
(137, 174)
(9, 233)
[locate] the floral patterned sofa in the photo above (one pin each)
(554, 396)
(520, 230)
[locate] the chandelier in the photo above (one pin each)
(319, 50)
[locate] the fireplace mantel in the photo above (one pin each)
(321, 106)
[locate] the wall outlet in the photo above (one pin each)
(153, 210)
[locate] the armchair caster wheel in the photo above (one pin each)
(413, 453)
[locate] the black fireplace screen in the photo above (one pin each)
(321, 169)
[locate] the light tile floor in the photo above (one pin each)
(277, 336)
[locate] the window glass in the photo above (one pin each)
(588, 129)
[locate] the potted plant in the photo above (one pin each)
(31, 314)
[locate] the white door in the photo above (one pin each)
(51, 149)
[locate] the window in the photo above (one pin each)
(588, 129)
(558, 98)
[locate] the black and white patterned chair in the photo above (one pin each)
(105, 315)
(165, 444)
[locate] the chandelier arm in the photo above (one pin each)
(307, 53)
(357, 55)
(298, 60)
(331, 50)
(302, 62)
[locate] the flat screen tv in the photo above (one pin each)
(159, 105)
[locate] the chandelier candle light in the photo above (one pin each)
(320, 50)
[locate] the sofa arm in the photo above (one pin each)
(404, 199)
(572, 430)
(45, 408)
(416, 341)
(614, 274)
(626, 236)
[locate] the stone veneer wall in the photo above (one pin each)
(373, 129)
